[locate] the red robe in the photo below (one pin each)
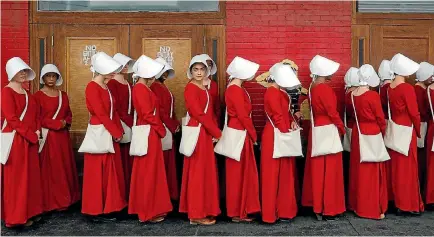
(121, 94)
(149, 193)
(21, 195)
(278, 176)
(323, 186)
(384, 105)
(60, 186)
(200, 188)
(430, 156)
(103, 176)
(242, 187)
(353, 163)
(369, 195)
(213, 89)
(405, 177)
(422, 103)
(166, 105)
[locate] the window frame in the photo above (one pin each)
(361, 18)
(112, 17)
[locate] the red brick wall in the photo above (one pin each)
(267, 32)
(14, 33)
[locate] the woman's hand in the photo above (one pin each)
(177, 129)
(294, 126)
(38, 133)
(214, 140)
(63, 123)
(117, 139)
(298, 115)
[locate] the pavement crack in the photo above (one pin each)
(354, 228)
(197, 231)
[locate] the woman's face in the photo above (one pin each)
(199, 71)
(109, 76)
(20, 77)
(50, 79)
(125, 69)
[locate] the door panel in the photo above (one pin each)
(41, 43)
(360, 45)
(215, 48)
(416, 42)
(176, 44)
(73, 48)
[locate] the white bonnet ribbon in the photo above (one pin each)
(231, 77)
(313, 76)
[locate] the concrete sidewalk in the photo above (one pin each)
(73, 223)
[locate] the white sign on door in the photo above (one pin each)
(166, 54)
(88, 52)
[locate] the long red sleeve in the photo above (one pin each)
(413, 110)
(236, 99)
(145, 107)
(214, 92)
(94, 96)
(165, 104)
(191, 96)
(273, 107)
(377, 109)
(68, 118)
(329, 101)
(13, 119)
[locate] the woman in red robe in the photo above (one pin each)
(242, 187)
(200, 189)
(166, 104)
(323, 186)
(103, 177)
(386, 76)
(121, 90)
(352, 83)
(149, 193)
(404, 111)
(429, 191)
(279, 183)
(213, 88)
(59, 176)
(369, 197)
(21, 196)
(423, 79)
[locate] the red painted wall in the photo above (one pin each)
(14, 33)
(267, 32)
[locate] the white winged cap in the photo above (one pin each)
(103, 64)
(426, 70)
(242, 69)
(16, 64)
(368, 76)
(384, 71)
(403, 66)
(197, 59)
(146, 67)
(284, 76)
(321, 66)
(351, 77)
(124, 60)
(213, 69)
(50, 68)
(166, 68)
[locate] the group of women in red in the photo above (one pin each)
(129, 147)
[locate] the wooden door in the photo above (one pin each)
(176, 44)
(73, 46)
(416, 42)
(42, 51)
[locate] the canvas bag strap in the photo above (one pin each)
(129, 98)
(355, 113)
(388, 105)
(135, 112)
(60, 105)
(310, 105)
(171, 103)
(23, 113)
(430, 102)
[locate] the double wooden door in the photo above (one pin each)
(70, 47)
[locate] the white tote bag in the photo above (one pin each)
(372, 148)
(98, 140)
(167, 141)
(231, 143)
(432, 112)
(325, 139)
(286, 144)
(423, 131)
(8, 138)
(398, 137)
(348, 134)
(190, 134)
(44, 131)
(126, 138)
(140, 138)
